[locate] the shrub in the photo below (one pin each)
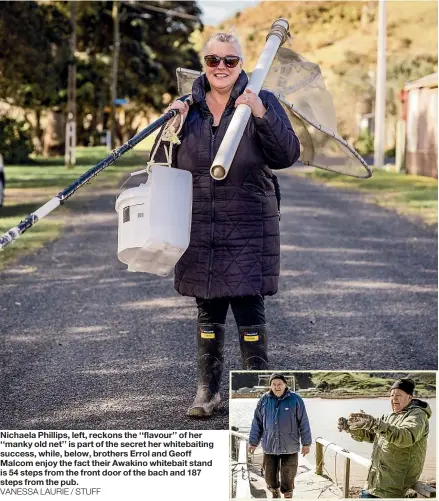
(391, 152)
(15, 141)
(364, 144)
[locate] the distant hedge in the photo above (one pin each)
(15, 141)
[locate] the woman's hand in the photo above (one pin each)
(253, 101)
(182, 107)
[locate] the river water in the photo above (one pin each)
(323, 415)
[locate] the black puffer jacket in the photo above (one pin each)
(234, 246)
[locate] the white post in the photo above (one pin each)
(400, 146)
(70, 145)
(108, 140)
(243, 480)
(380, 99)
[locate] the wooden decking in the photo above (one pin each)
(307, 485)
(250, 483)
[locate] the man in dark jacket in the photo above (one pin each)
(233, 258)
(280, 423)
(399, 442)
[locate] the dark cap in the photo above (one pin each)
(276, 375)
(404, 384)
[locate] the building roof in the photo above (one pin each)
(427, 81)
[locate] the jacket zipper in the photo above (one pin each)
(212, 192)
(212, 222)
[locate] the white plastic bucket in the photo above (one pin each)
(155, 221)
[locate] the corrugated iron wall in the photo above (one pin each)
(422, 132)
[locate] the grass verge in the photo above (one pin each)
(28, 187)
(413, 196)
(363, 384)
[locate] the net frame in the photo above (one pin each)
(306, 127)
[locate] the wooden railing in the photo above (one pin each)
(322, 445)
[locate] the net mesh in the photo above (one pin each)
(300, 87)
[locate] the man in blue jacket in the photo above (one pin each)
(281, 424)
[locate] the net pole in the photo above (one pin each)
(15, 232)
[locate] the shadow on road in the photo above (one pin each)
(88, 345)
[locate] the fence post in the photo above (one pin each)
(319, 458)
(400, 146)
(347, 471)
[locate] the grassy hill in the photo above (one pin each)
(342, 384)
(342, 38)
(369, 384)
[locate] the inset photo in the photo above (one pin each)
(329, 435)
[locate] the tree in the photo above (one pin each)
(34, 56)
(153, 46)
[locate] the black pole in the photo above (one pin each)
(115, 154)
(33, 218)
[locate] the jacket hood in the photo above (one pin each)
(420, 404)
(201, 86)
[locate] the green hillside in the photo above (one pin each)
(342, 38)
(369, 384)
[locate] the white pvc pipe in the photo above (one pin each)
(239, 435)
(344, 452)
(226, 152)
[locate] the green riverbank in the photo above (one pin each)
(344, 385)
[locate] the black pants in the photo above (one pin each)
(247, 310)
(286, 465)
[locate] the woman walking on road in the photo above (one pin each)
(233, 256)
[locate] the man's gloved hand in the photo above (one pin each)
(361, 421)
(342, 424)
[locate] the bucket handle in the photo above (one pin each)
(169, 134)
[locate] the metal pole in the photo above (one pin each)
(380, 97)
(116, 50)
(70, 144)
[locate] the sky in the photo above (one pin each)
(215, 11)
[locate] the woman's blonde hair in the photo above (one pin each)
(225, 38)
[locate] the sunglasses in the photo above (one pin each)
(213, 61)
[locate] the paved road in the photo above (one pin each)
(87, 345)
